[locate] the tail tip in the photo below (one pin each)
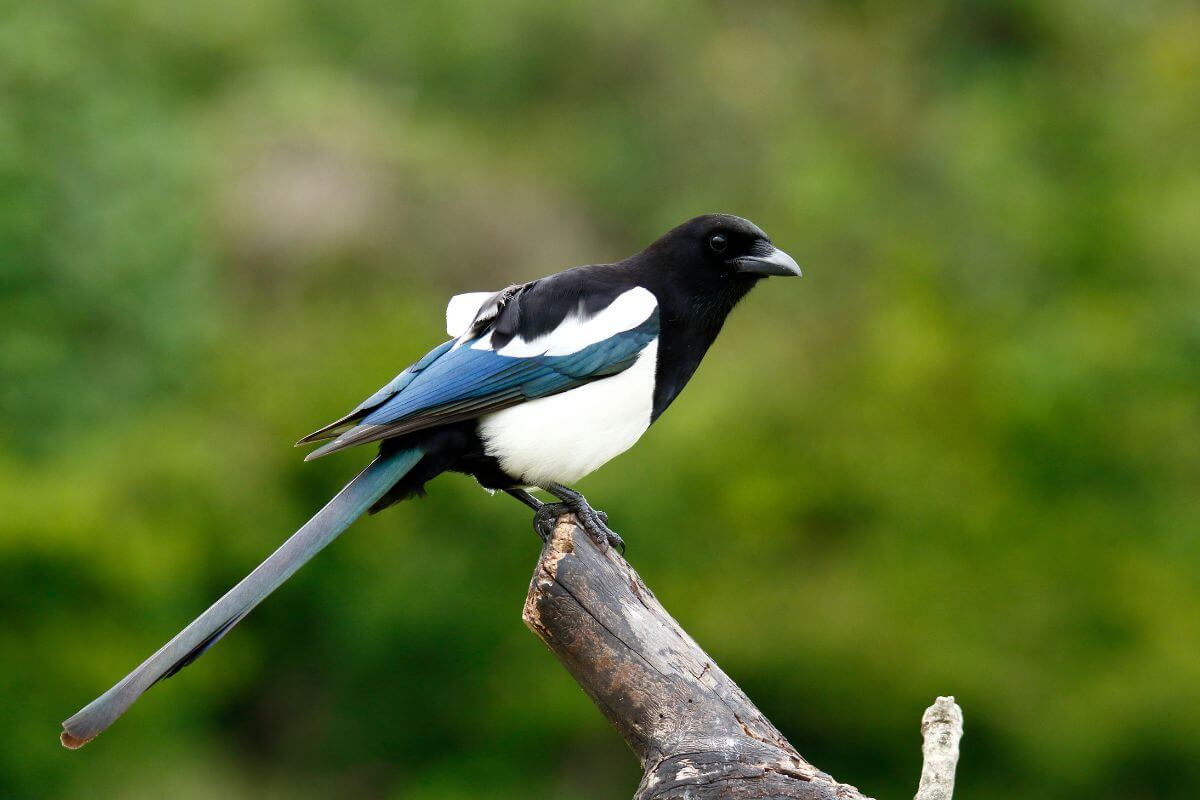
(72, 742)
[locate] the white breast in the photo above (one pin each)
(561, 438)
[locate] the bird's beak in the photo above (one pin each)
(775, 262)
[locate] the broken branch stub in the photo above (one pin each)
(941, 728)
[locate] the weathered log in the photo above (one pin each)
(696, 733)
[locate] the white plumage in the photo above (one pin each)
(561, 438)
(630, 309)
(461, 311)
(577, 331)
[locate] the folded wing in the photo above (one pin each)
(475, 375)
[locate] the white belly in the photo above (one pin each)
(561, 438)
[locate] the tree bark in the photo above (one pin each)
(695, 732)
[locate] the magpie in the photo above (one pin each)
(540, 384)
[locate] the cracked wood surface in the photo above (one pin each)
(695, 732)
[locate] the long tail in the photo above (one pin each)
(190, 643)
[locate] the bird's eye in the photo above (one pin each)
(718, 242)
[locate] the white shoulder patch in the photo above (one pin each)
(630, 309)
(461, 311)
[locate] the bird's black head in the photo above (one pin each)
(698, 272)
(721, 248)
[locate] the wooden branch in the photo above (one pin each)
(942, 727)
(696, 733)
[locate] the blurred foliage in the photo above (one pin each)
(960, 456)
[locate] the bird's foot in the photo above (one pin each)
(593, 521)
(546, 517)
(596, 524)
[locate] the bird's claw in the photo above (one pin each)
(593, 521)
(596, 524)
(546, 517)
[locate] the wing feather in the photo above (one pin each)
(386, 392)
(465, 379)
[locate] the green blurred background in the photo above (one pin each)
(959, 457)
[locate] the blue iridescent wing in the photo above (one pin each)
(458, 381)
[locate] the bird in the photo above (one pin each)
(539, 385)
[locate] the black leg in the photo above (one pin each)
(593, 521)
(544, 514)
(525, 497)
